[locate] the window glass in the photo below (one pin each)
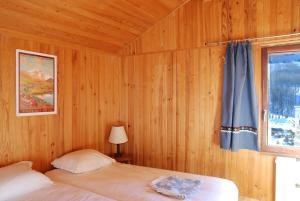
(284, 99)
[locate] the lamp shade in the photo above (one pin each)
(117, 135)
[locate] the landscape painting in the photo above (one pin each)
(36, 84)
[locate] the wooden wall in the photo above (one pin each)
(175, 84)
(202, 21)
(166, 89)
(174, 114)
(89, 94)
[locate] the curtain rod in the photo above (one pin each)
(251, 39)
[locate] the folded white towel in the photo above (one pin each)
(175, 186)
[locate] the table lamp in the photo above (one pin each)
(118, 136)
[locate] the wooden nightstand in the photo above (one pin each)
(125, 158)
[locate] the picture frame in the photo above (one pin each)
(36, 83)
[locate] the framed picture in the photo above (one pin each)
(36, 83)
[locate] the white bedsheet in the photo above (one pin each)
(132, 183)
(61, 192)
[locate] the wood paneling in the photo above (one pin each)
(169, 93)
(152, 109)
(174, 110)
(89, 102)
(107, 24)
(201, 21)
(195, 91)
(174, 118)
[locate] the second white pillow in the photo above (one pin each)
(82, 161)
(22, 183)
(13, 169)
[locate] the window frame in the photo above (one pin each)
(278, 150)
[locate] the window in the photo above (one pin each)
(281, 99)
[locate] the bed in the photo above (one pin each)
(19, 182)
(61, 192)
(125, 182)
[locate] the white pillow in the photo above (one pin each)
(10, 170)
(22, 183)
(82, 161)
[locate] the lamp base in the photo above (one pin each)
(118, 154)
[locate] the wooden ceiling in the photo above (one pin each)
(102, 24)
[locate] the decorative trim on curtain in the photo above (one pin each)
(239, 104)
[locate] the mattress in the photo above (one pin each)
(129, 182)
(61, 192)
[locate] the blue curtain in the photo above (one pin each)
(239, 104)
